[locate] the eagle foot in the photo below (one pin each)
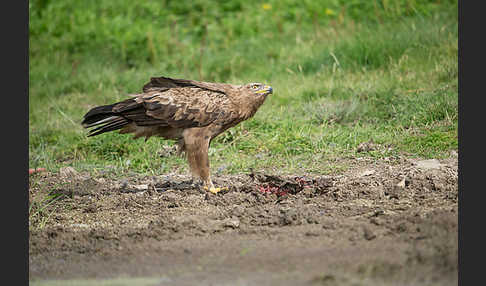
(215, 190)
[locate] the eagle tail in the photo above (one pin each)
(104, 118)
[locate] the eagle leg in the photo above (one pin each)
(180, 147)
(196, 145)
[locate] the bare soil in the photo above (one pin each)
(392, 222)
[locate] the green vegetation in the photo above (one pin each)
(343, 72)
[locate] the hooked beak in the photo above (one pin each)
(266, 90)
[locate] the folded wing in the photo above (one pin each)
(176, 104)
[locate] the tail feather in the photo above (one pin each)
(111, 125)
(97, 113)
(100, 121)
(105, 118)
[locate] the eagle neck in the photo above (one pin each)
(250, 107)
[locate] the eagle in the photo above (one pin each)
(190, 112)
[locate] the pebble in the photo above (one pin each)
(367, 173)
(428, 164)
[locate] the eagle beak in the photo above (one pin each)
(267, 90)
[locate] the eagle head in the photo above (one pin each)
(259, 88)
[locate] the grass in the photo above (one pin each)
(343, 73)
(42, 208)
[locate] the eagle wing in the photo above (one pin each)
(161, 83)
(182, 107)
(165, 102)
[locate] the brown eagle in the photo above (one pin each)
(191, 112)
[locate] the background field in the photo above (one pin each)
(343, 72)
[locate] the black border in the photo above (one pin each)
(471, 144)
(15, 138)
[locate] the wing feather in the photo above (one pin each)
(181, 107)
(163, 83)
(166, 102)
(187, 106)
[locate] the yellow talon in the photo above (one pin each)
(215, 190)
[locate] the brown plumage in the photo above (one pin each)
(189, 111)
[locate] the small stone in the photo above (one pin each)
(79, 225)
(376, 221)
(401, 184)
(428, 164)
(367, 173)
(232, 222)
(368, 234)
(312, 233)
(123, 184)
(141, 187)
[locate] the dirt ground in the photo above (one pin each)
(386, 222)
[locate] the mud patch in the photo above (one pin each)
(396, 223)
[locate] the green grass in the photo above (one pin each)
(42, 208)
(343, 73)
